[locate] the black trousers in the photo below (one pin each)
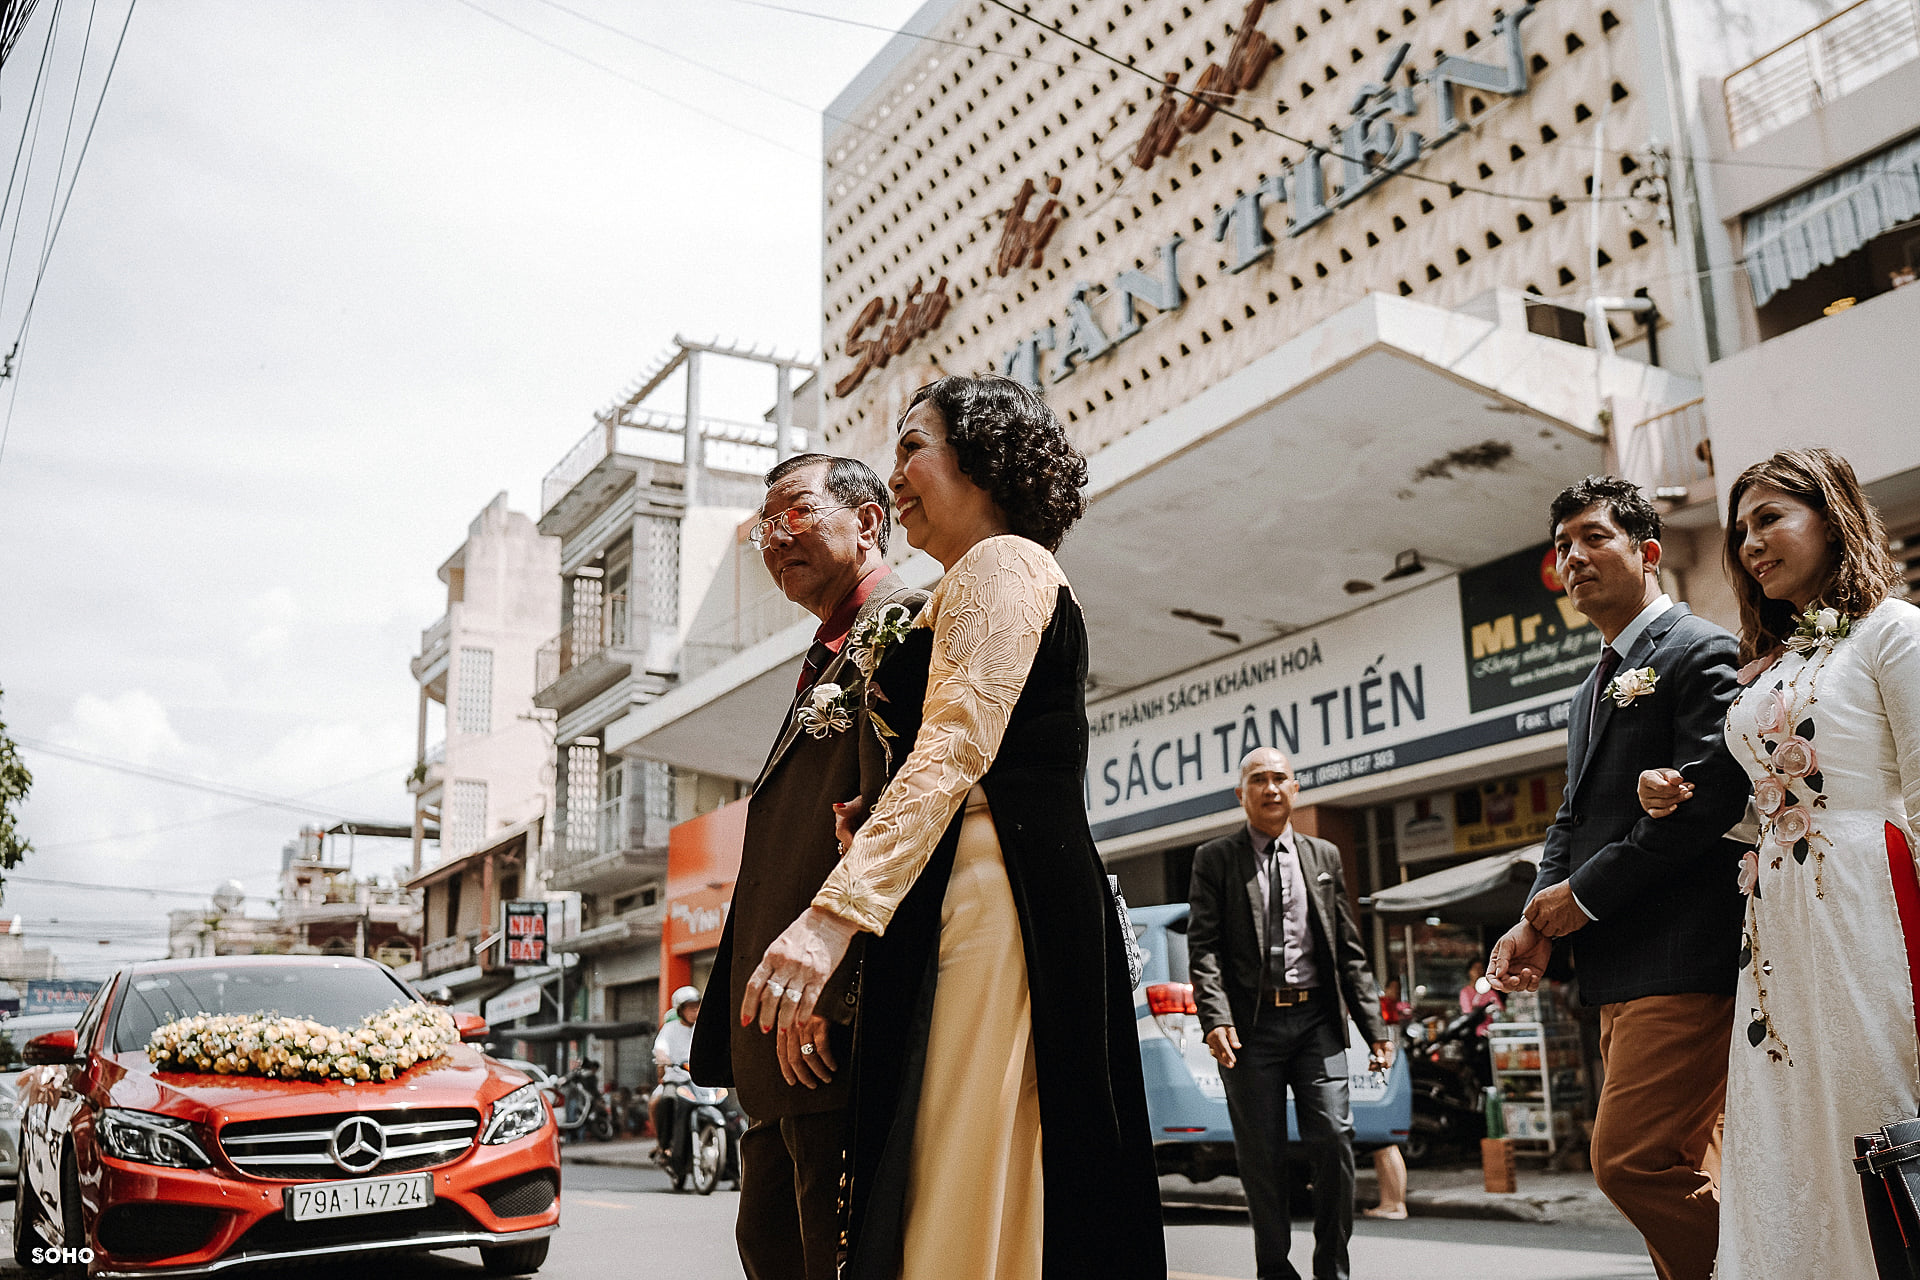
(789, 1226)
(1302, 1048)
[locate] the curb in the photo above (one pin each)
(1510, 1207)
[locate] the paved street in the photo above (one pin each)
(625, 1222)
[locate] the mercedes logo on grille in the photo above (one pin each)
(358, 1144)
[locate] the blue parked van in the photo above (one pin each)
(1186, 1102)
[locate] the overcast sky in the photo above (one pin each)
(335, 273)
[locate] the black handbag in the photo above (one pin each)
(1888, 1163)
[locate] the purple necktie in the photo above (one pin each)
(1609, 663)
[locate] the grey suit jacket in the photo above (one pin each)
(1227, 934)
(1663, 891)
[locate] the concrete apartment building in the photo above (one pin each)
(1807, 129)
(485, 772)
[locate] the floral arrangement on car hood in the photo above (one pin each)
(382, 1047)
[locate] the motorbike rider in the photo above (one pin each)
(671, 1048)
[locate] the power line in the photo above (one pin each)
(981, 48)
(188, 781)
(638, 84)
(590, 20)
(73, 181)
(205, 819)
(1261, 126)
(26, 120)
(12, 878)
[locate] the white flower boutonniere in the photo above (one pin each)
(1818, 629)
(1628, 685)
(878, 632)
(829, 710)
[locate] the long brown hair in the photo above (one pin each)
(1865, 573)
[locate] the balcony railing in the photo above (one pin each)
(448, 953)
(646, 433)
(1859, 44)
(597, 626)
(435, 637)
(1669, 453)
(620, 824)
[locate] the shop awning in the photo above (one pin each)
(1792, 238)
(577, 1031)
(1485, 891)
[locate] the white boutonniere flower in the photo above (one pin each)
(828, 711)
(1818, 629)
(1628, 685)
(878, 632)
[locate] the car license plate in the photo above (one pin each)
(367, 1195)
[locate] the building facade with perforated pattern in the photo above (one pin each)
(1319, 290)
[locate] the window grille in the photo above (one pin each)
(583, 799)
(473, 692)
(466, 822)
(663, 571)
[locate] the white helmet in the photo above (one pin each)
(685, 995)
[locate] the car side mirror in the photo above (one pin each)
(472, 1027)
(52, 1049)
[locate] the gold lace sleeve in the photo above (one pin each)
(987, 617)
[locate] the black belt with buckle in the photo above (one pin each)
(1285, 996)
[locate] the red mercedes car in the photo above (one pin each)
(139, 1172)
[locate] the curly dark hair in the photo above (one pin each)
(1007, 441)
(1863, 572)
(1637, 517)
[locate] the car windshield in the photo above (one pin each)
(334, 995)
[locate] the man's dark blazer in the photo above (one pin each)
(1227, 927)
(1663, 891)
(787, 852)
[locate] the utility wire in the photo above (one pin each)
(206, 819)
(1260, 126)
(188, 781)
(708, 67)
(638, 84)
(37, 117)
(26, 121)
(66, 202)
(11, 878)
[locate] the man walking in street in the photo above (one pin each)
(1277, 967)
(823, 537)
(1651, 910)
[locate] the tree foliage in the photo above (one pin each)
(15, 782)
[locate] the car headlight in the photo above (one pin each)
(515, 1116)
(145, 1138)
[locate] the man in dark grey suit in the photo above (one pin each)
(1650, 910)
(1277, 966)
(823, 538)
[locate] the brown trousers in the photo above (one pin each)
(789, 1225)
(1656, 1144)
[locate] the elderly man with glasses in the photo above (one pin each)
(823, 537)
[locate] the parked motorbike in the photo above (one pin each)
(1450, 1070)
(711, 1152)
(585, 1110)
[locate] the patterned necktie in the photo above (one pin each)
(1609, 663)
(1276, 918)
(817, 659)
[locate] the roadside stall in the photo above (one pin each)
(1536, 1050)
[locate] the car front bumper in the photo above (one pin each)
(149, 1221)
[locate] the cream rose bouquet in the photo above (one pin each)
(384, 1046)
